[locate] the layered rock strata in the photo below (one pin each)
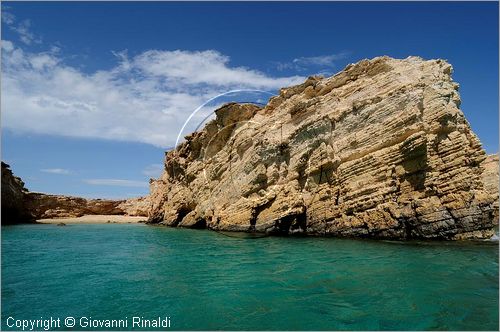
(490, 168)
(44, 206)
(20, 205)
(380, 149)
(135, 206)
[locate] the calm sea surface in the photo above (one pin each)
(205, 280)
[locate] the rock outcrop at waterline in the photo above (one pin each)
(14, 209)
(136, 206)
(45, 206)
(380, 149)
(19, 205)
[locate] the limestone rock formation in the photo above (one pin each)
(14, 209)
(380, 149)
(490, 174)
(59, 206)
(43, 206)
(20, 205)
(136, 206)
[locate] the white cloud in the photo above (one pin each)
(25, 34)
(206, 67)
(23, 28)
(304, 63)
(145, 98)
(153, 170)
(61, 171)
(116, 182)
(8, 18)
(322, 60)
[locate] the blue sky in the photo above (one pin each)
(94, 93)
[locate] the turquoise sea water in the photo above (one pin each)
(205, 280)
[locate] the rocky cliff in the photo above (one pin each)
(20, 205)
(14, 209)
(380, 150)
(490, 168)
(43, 206)
(136, 206)
(59, 206)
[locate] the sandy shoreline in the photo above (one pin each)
(95, 219)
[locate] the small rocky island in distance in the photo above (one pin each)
(379, 150)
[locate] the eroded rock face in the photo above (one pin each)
(20, 205)
(44, 206)
(136, 206)
(381, 150)
(14, 209)
(59, 206)
(490, 174)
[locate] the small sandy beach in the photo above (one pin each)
(95, 219)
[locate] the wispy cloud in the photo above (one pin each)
(143, 98)
(153, 170)
(312, 62)
(8, 18)
(22, 28)
(25, 34)
(116, 182)
(61, 171)
(322, 60)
